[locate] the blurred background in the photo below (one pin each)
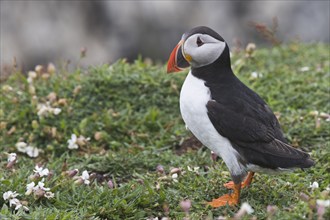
(38, 32)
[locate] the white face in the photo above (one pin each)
(202, 49)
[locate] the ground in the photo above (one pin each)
(133, 143)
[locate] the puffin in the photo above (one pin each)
(228, 117)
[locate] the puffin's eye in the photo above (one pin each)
(199, 42)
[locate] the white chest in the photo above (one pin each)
(193, 99)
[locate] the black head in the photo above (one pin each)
(199, 47)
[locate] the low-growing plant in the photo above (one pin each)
(109, 142)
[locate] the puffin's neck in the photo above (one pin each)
(219, 71)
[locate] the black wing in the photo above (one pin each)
(253, 129)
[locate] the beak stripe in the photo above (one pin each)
(177, 62)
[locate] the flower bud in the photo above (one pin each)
(34, 177)
(304, 197)
(12, 158)
(39, 193)
(39, 69)
(185, 205)
(110, 184)
(160, 169)
(175, 170)
(35, 124)
(45, 76)
(72, 173)
(62, 102)
(250, 48)
(271, 210)
(32, 75)
(32, 90)
(3, 125)
(79, 181)
(51, 68)
(50, 174)
(77, 90)
(52, 97)
(92, 176)
(98, 135)
(214, 156)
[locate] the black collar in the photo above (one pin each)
(218, 71)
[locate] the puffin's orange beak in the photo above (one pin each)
(177, 62)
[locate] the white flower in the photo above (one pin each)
(49, 195)
(324, 203)
(304, 69)
(175, 177)
(46, 109)
(9, 195)
(314, 185)
(12, 157)
(51, 68)
(7, 88)
(247, 208)
(29, 188)
(73, 142)
(41, 185)
(32, 75)
(42, 172)
(29, 150)
(15, 202)
(85, 177)
(32, 151)
(19, 205)
(21, 146)
(255, 75)
(195, 169)
(56, 111)
(42, 110)
(29, 80)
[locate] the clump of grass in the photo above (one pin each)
(127, 123)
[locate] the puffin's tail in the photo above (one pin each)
(291, 157)
(299, 158)
(307, 163)
(275, 154)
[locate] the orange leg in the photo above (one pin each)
(230, 199)
(245, 183)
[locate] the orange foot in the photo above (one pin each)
(245, 183)
(230, 199)
(224, 200)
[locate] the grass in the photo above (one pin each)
(131, 114)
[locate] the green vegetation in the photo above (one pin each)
(131, 114)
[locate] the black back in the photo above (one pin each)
(240, 115)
